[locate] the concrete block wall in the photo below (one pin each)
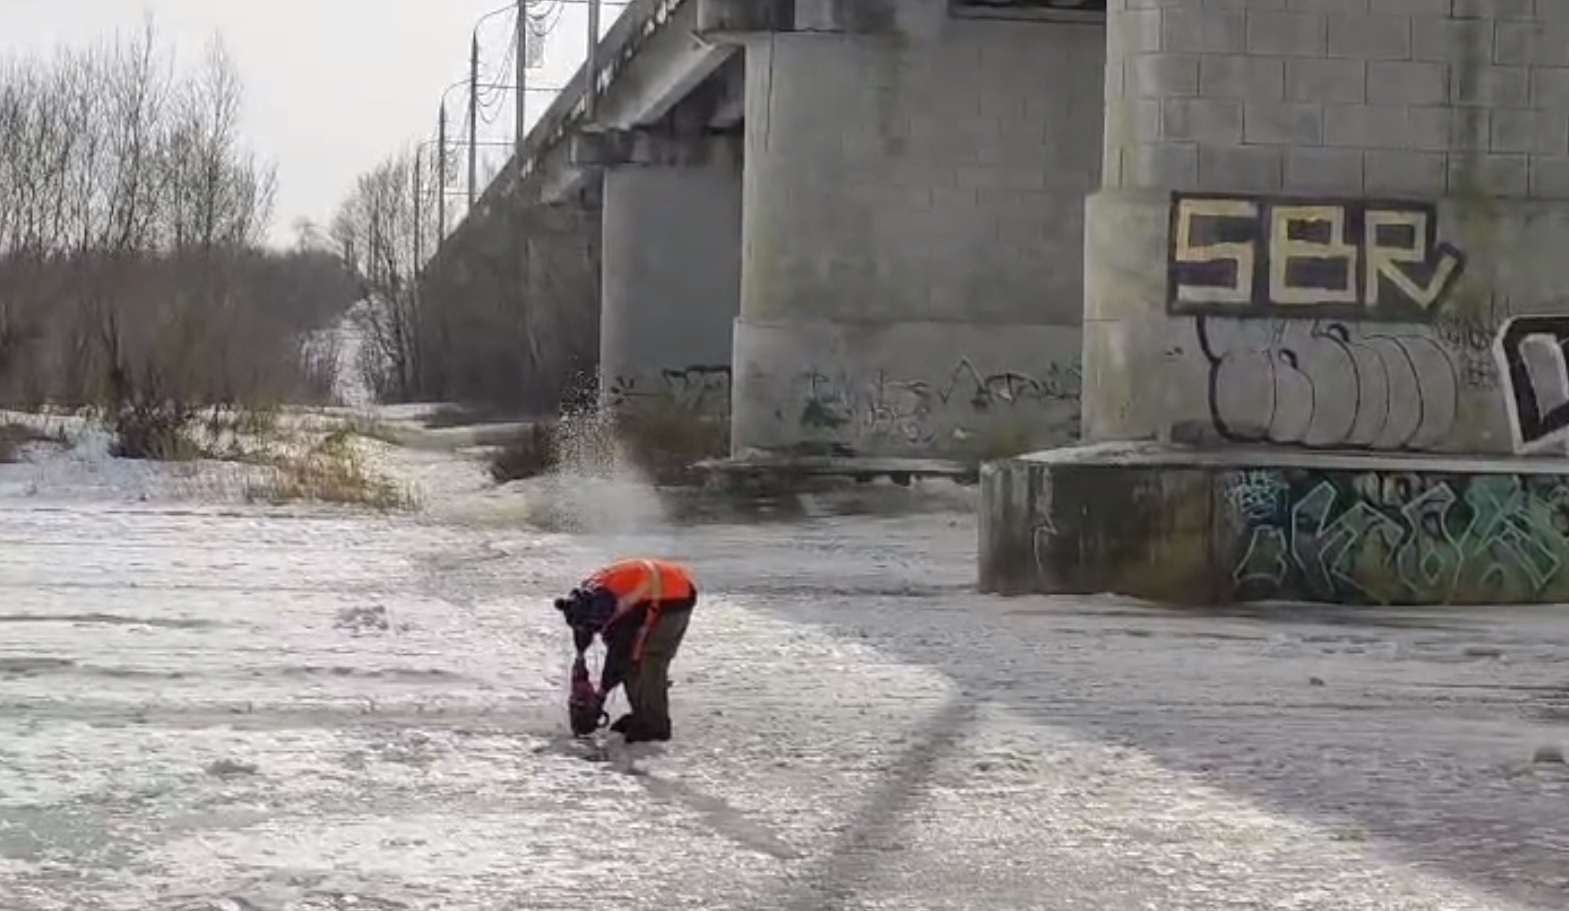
(1449, 115)
(1377, 97)
(913, 212)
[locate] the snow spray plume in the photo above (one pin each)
(595, 488)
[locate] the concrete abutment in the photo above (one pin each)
(1187, 526)
(1325, 328)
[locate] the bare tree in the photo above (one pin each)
(131, 223)
(382, 231)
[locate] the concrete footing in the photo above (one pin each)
(770, 469)
(1191, 526)
(908, 390)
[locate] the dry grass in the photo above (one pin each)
(531, 453)
(156, 433)
(261, 459)
(167, 433)
(13, 436)
(372, 429)
(329, 472)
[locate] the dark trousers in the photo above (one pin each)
(647, 675)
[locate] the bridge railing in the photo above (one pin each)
(569, 110)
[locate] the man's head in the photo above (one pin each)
(590, 609)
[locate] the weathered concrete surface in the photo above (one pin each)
(512, 295)
(1219, 526)
(1334, 229)
(1423, 99)
(1348, 132)
(888, 198)
(672, 284)
(1443, 377)
(511, 302)
(904, 389)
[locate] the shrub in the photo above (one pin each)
(160, 432)
(257, 422)
(330, 472)
(12, 436)
(531, 453)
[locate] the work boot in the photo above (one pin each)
(640, 730)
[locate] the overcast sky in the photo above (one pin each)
(332, 86)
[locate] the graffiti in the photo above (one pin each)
(694, 388)
(1306, 259)
(1468, 333)
(1384, 538)
(1327, 385)
(1530, 351)
(911, 411)
(1256, 494)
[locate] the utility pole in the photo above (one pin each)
(591, 68)
(521, 89)
(473, 117)
(441, 175)
(419, 165)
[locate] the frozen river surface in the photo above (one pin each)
(205, 708)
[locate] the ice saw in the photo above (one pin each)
(585, 703)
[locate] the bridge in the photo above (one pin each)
(853, 226)
(1279, 283)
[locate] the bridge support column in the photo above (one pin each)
(911, 280)
(1323, 316)
(671, 278)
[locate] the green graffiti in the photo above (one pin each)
(1400, 538)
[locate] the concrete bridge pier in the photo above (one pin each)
(671, 270)
(1325, 332)
(911, 278)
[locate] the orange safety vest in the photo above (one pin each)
(665, 581)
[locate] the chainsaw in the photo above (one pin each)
(585, 703)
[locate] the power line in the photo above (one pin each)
(484, 97)
(491, 109)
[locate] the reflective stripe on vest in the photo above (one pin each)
(656, 587)
(656, 592)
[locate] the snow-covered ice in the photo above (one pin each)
(230, 707)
